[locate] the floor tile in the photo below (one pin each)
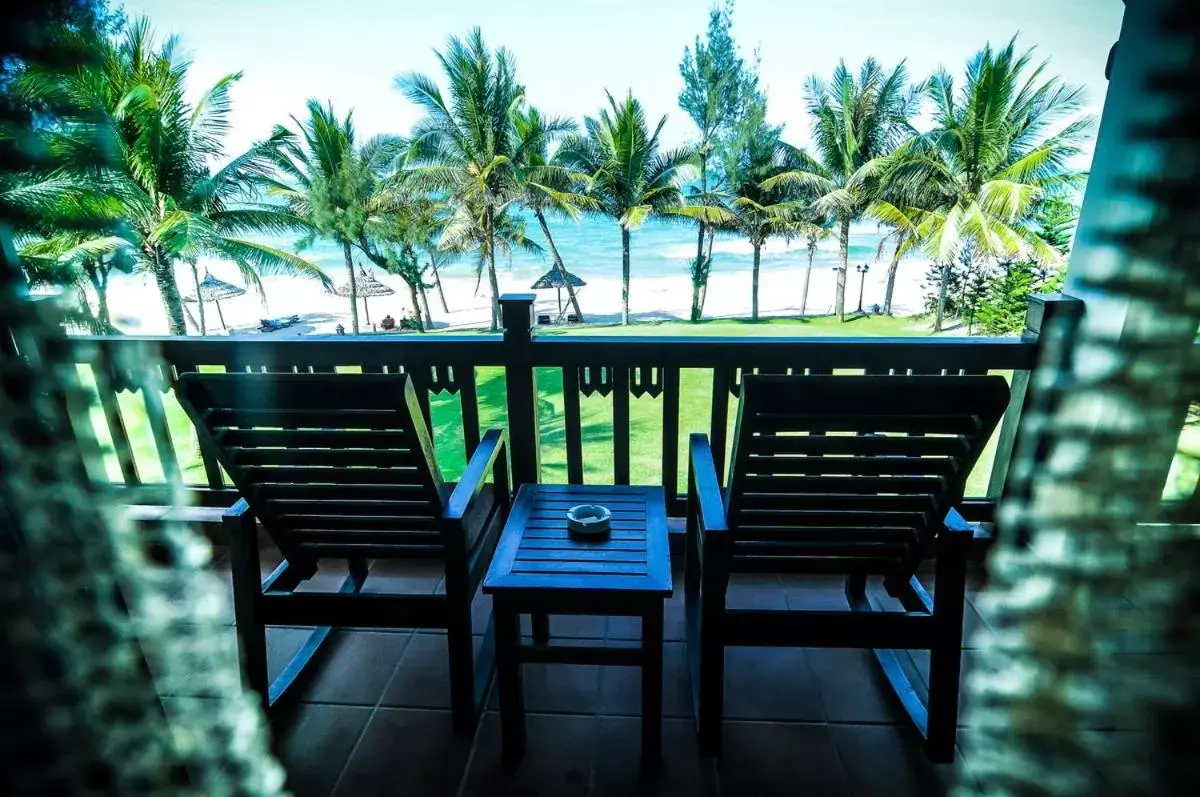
(282, 644)
(888, 760)
(618, 770)
(404, 577)
(621, 687)
(413, 752)
(755, 591)
(573, 626)
(357, 669)
(768, 759)
(770, 684)
(852, 687)
(422, 679)
(815, 592)
(624, 628)
(314, 742)
(559, 688)
(558, 762)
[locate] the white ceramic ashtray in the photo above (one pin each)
(589, 521)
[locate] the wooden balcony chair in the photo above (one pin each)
(342, 467)
(851, 475)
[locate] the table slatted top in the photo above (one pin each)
(537, 552)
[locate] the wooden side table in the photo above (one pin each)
(540, 570)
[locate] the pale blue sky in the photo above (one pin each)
(568, 53)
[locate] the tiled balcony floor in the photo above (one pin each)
(375, 720)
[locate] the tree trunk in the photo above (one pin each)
(415, 298)
(489, 231)
(353, 286)
(891, 278)
(168, 289)
(437, 280)
(425, 307)
(941, 305)
(812, 250)
(99, 279)
(754, 282)
(624, 275)
(700, 272)
(199, 300)
(558, 264)
(839, 299)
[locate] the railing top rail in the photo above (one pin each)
(551, 351)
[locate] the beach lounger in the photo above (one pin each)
(273, 324)
(849, 475)
(341, 466)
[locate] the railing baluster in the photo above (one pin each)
(720, 417)
(620, 411)
(670, 433)
(572, 431)
(520, 386)
(208, 456)
(469, 405)
(420, 382)
(117, 430)
(156, 417)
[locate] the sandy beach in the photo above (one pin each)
(137, 308)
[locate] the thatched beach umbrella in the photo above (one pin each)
(554, 279)
(368, 286)
(214, 290)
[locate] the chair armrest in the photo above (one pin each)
(471, 484)
(702, 482)
(956, 524)
(956, 531)
(238, 518)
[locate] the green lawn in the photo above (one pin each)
(596, 411)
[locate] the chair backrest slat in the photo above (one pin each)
(856, 470)
(324, 459)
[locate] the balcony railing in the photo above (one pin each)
(578, 409)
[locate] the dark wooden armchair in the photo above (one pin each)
(342, 467)
(853, 475)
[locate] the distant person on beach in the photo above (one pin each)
(388, 323)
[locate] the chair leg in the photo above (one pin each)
(540, 623)
(856, 589)
(711, 678)
(945, 659)
(247, 600)
(464, 708)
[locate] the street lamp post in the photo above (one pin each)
(862, 271)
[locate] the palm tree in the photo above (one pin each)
(817, 232)
(719, 90)
(325, 183)
(978, 175)
(855, 123)
(428, 221)
(173, 205)
(467, 231)
(80, 262)
(628, 177)
(546, 183)
(463, 147)
(758, 213)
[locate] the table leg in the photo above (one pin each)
(652, 688)
(509, 682)
(541, 628)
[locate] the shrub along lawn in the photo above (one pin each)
(596, 411)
